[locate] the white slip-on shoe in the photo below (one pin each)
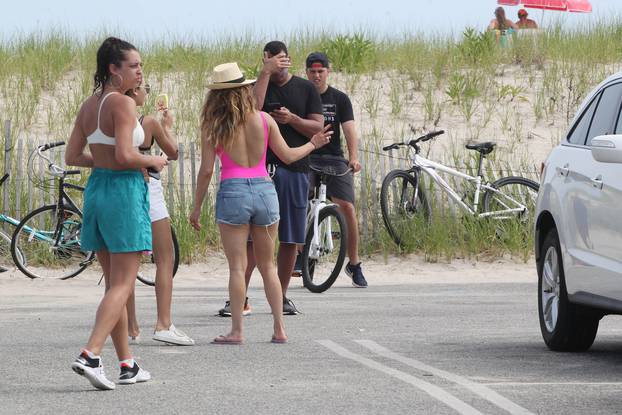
(173, 336)
(93, 370)
(133, 374)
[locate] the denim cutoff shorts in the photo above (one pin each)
(116, 212)
(247, 201)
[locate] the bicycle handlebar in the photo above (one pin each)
(431, 135)
(54, 169)
(48, 146)
(414, 141)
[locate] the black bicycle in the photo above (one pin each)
(46, 243)
(49, 237)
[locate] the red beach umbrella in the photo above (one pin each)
(577, 6)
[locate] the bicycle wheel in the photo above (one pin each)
(49, 242)
(404, 205)
(6, 260)
(512, 190)
(322, 260)
(147, 272)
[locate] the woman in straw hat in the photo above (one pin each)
(234, 130)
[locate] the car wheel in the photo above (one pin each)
(564, 326)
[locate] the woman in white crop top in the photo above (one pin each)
(116, 216)
(161, 132)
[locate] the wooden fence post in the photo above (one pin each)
(182, 180)
(29, 183)
(193, 172)
(363, 193)
(7, 163)
(19, 180)
(170, 203)
(373, 195)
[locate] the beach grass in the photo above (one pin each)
(425, 81)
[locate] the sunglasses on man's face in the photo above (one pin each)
(146, 88)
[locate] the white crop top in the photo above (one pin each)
(98, 136)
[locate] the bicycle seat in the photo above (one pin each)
(484, 148)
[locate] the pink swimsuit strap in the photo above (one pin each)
(231, 170)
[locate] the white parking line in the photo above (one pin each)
(432, 390)
(553, 383)
(477, 388)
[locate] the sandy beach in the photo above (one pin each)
(213, 275)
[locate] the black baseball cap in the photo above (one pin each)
(317, 59)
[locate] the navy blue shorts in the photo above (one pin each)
(292, 188)
(247, 201)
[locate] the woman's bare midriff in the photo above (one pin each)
(104, 158)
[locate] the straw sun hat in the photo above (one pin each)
(228, 75)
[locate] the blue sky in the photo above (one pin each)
(156, 19)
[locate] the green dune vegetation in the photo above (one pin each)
(522, 97)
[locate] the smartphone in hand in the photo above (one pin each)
(273, 106)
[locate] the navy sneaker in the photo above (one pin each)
(356, 273)
(226, 310)
(289, 309)
(133, 374)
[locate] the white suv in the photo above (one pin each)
(578, 238)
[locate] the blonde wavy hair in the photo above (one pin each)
(224, 111)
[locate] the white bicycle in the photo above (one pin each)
(404, 202)
(326, 238)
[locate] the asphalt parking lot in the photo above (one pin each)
(418, 347)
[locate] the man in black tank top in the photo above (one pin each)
(337, 110)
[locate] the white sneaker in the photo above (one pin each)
(173, 336)
(130, 375)
(133, 339)
(93, 370)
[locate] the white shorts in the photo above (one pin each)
(157, 204)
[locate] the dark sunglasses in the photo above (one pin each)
(147, 88)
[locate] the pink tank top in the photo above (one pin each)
(231, 170)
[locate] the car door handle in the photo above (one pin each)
(597, 182)
(564, 171)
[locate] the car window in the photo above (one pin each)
(604, 117)
(579, 132)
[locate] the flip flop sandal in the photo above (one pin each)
(278, 341)
(225, 340)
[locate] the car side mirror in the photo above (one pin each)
(607, 148)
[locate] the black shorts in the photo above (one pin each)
(340, 187)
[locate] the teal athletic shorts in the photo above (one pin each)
(116, 212)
